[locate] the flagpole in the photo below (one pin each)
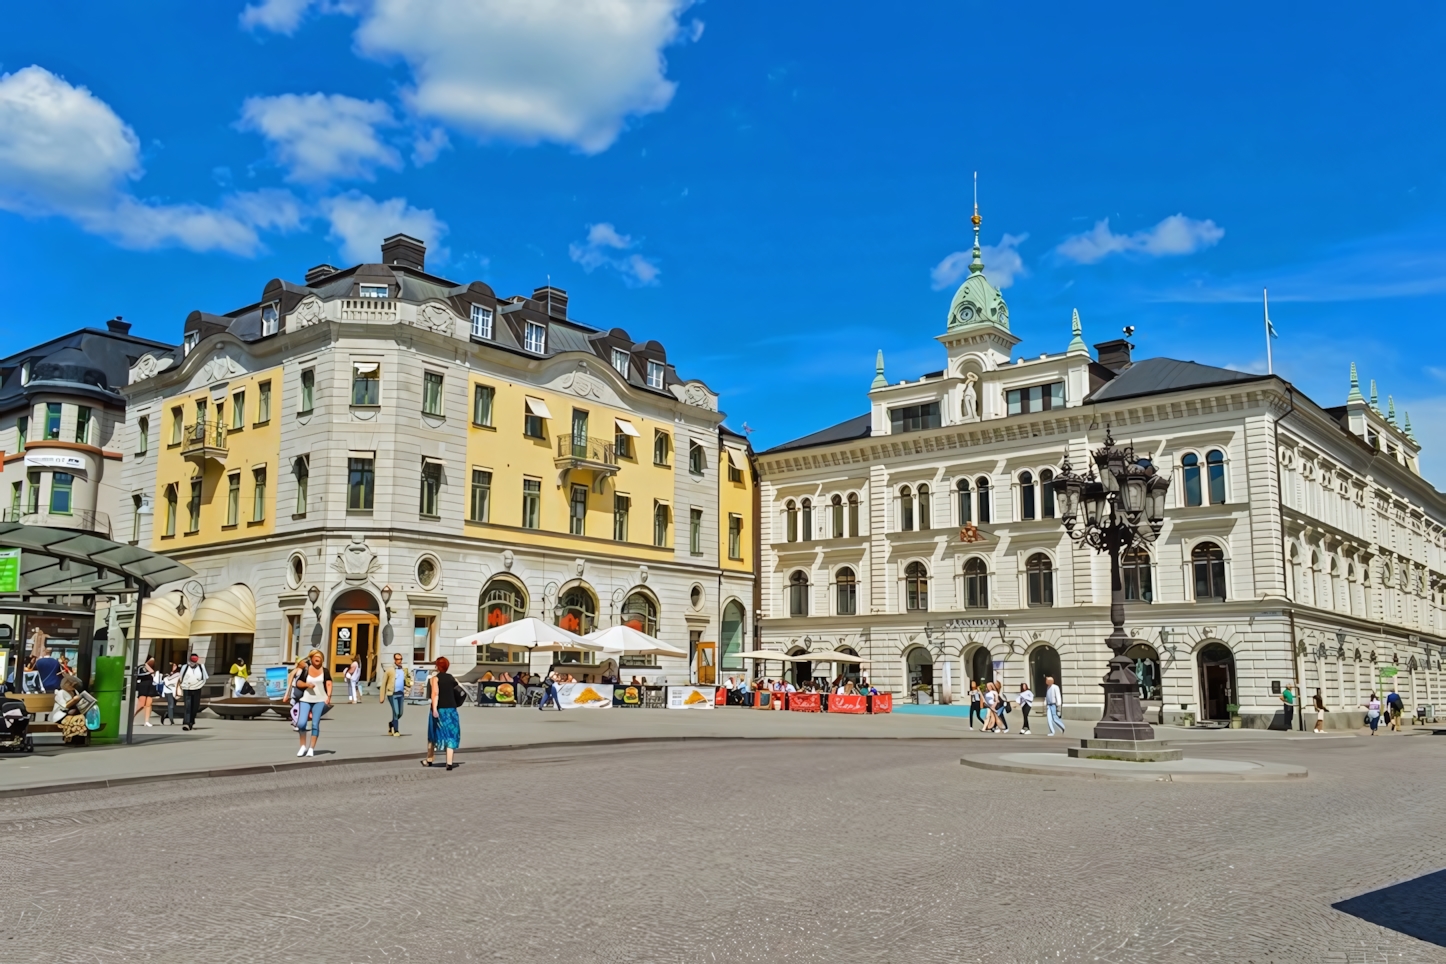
(1269, 362)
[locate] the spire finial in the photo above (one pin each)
(879, 380)
(977, 265)
(1355, 393)
(1391, 410)
(1409, 434)
(1077, 342)
(1375, 399)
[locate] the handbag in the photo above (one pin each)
(459, 694)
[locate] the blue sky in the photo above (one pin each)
(772, 190)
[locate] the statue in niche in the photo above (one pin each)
(971, 397)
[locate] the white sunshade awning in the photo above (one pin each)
(625, 639)
(530, 635)
(627, 427)
(229, 610)
(538, 407)
(769, 654)
(167, 616)
(832, 656)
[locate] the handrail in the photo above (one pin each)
(204, 433)
(586, 449)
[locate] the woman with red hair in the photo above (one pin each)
(443, 728)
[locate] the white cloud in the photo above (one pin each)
(323, 137)
(606, 248)
(1177, 234)
(426, 147)
(567, 71)
(1002, 264)
(64, 152)
(279, 16)
(360, 223)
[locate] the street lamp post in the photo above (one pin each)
(1121, 507)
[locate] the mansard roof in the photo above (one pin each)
(89, 362)
(1153, 375)
(860, 426)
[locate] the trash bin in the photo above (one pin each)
(110, 685)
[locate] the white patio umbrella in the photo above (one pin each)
(770, 654)
(530, 635)
(833, 656)
(625, 639)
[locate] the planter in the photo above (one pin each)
(1235, 722)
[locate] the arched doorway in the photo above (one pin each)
(1147, 670)
(576, 612)
(502, 601)
(1217, 681)
(1044, 661)
(920, 663)
(355, 626)
(732, 641)
(801, 671)
(981, 666)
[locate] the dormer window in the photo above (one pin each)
(620, 361)
(25, 374)
(374, 291)
(535, 338)
(270, 320)
(191, 339)
(655, 374)
(1036, 398)
(481, 322)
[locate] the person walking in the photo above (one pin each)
(395, 683)
(1025, 700)
(550, 693)
(145, 690)
(1287, 699)
(193, 676)
(1396, 708)
(991, 719)
(239, 675)
(444, 729)
(1001, 705)
(1052, 700)
(315, 685)
(352, 675)
(1319, 713)
(976, 704)
(1373, 713)
(169, 689)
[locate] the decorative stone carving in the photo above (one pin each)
(642, 574)
(309, 312)
(579, 565)
(148, 366)
(579, 382)
(357, 562)
(507, 559)
(220, 368)
(696, 395)
(971, 397)
(436, 317)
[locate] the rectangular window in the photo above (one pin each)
(535, 414)
(431, 393)
(655, 374)
(263, 403)
(735, 536)
(660, 447)
(366, 383)
(22, 431)
(535, 338)
(233, 498)
(481, 504)
(621, 506)
(60, 488)
(32, 501)
(360, 480)
(82, 425)
(143, 435)
(178, 424)
(270, 320)
(218, 423)
(579, 433)
(620, 362)
(423, 629)
(622, 443)
(695, 531)
(482, 396)
(308, 390)
(258, 495)
(481, 322)
(374, 291)
(52, 420)
(735, 473)
(914, 418)
(660, 524)
(238, 410)
(1036, 398)
(293, 635)
(577, 511)
(193, 507)
(17, 493)
(170, 529)
(301, 469)
(431, 488)
(136, 503)
(531, 503)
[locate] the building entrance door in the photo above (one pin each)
(1217, 682)
(354, 638)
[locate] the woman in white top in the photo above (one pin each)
(314, 683)
(991, 700)
(1373, 713)
(353, 681)
(1026, 700)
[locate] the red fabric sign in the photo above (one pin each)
(720, 697)
(805, 702)
(846, 703)
(881, 703)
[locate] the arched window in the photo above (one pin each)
(1147, 670)
(1337, 597)
(906, 509)
(1191, 463)
(731, 659)
(1044, 665)
(1046, 493)
(854, 514)
(577, 610)
(807, 528)
(1039, 573)
(1208, 561)
(925, 515)
(982, 484)
(1296, 582)
(1026, 495)
(790, 517)
(966, 502)
(1215, 471)
(1136, 574)
(836, 513)
(641, 613)
(502, 601)
(916, 587)
(846, 598)
(976, 584)
(798, 593)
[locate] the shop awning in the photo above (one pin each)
(167, 616)
(229, 610)
(538, 407)
(626, 427)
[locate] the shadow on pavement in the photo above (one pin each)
(1415, 907)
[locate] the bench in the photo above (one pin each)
(36, 729)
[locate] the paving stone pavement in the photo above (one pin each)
(736, 850)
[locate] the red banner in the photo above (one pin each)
(720, 697)
(847, 703)
(805, 703)
(881, 703)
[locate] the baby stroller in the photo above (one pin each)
(15, 728)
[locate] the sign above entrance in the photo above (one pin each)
(44, 460)
(964, 625)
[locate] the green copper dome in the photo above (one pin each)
(977, 302)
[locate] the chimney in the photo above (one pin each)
(117, 326)
(1115, 355)
(405, 251)
(313, 275)
(553, 300)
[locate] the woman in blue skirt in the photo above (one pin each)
(443, 728)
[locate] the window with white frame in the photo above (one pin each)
(655, 374)
(374, 291)
(481, 321)
(1036, 398)
(535, 337)
(270, 319)
(1039, 577)
(976, 584)
(620, 361)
